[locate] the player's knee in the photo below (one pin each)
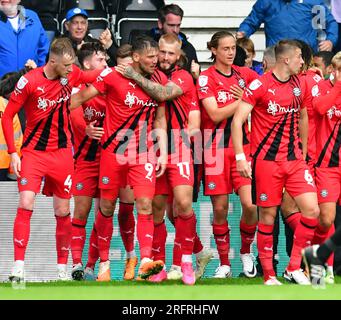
(220, 210)
(183, 205)
(326, 222)
(312, 212)
(81, 213)
(249, 208)
(144, 205)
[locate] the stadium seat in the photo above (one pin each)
(135, 17)
(97, 11)
(48, 11)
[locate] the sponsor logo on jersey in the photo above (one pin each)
(131, 99)
(224, 96)
(255, 84)
(43, 103)
(90, 113)
(22, 83)
(333, 111)
(274, 108)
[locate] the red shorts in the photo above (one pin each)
(85, 179)
(226, 178)
(56, 166)
(114, 175)
(328, 184)
(270, 177)
(175, 175)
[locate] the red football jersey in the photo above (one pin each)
(46, 103)
(328, 135)
(311, 79)
(213, 83)
(87, 149)
(177, 111)
(130, 113)
(275, 117)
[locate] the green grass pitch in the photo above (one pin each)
(205, 289)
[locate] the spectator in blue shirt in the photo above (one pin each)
(22, 37)
(292, 19)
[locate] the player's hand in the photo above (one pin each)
(106, 39)
(16, 163)
(30, 64)
(240, 34)
(94, 132)
(195, 69)
(325, 45)
(244, 168)
(160, 167)
(126, 70)
(237, 92)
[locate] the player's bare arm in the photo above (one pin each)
(304, 128)
(194, 121)
(240, 116)
(219, 114)
(82, 96)
(160, 124)
(16, 163)
(155, 90)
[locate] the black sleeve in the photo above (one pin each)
(191, 54)
(111, 51)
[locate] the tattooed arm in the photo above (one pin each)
(155, 90)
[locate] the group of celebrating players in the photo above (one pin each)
(145, 132)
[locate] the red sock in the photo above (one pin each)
(222, 239)
(247, 235)
(104, 227)
(63, 238)
(293, 220)
(186, 228)
(145, 232)
(93, 253)
(21, 232)
(197, 244)
(320, 234)
(126, 222)
(159, 241)
(330, 260)
(265, 249)
(303, 236)
(177, 253)
(78, 237)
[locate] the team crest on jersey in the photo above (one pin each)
(79, 186)
(22, 83)
(105, 180)
(211, 186)
(324, 193)
(296, 91)
(64, 81)
(255, 84)
(241, 83)
(263, 197)
(23, 181)
(203, 80)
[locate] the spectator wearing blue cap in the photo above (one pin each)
(22, 37)
(76, 25)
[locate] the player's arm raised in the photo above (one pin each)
(239, 118)
(82, 96)
(160, 127)
(156, 90)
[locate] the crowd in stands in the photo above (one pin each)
(95, 45)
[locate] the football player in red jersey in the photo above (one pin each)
(220, 88)
(279, 122)
(179, 94)
(47, 149)
(127, 151)
(327, 107)
(91, 56)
